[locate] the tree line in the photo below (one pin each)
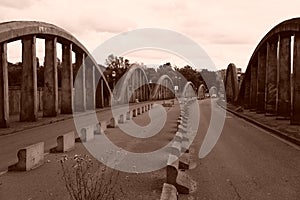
(118, 66)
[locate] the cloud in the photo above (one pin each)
(225, 29)
(17, 4)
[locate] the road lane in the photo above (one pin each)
(246, 163)
(9, 144)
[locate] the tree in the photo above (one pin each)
(192, 75)
(116, 64)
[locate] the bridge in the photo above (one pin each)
(241, 160)
(271, 82)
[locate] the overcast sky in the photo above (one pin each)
(228, 30)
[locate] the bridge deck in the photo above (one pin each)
(9, 144)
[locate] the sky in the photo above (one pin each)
(228, 30)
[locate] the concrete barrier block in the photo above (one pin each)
(182, 129)
(29, 158)
(134, 112)
(185, 148)
(100, 128)
(172, 169)
(169, 192)
(65, 142)
(128, 115)
(179, 179)
(121, 119)
(87, 133)
(113, 123)
(178, 137)
(184, 161)
(143, 109)
(183, 183)
(175, 149)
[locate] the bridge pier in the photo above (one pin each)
(28, 103)
(66, 79)
(231, 83)
(284, 83)
(271, 77)
(80, 89)
(99, 92)
(253, 86)
(50, 94)
(90, 84)
(4, 98)
(247, 92)
(295, 117)
(261, 80)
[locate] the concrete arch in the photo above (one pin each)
(163, 91)
(271, 61)
(201, 91)
(133, 85)
(231, 84)
(84, 98)
(188, 90)
(213, 91)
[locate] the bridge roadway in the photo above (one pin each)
(246, 163)
(9, 144)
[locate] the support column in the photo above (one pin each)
(253, 86)
(247, 87)
(261, 80)
(66, 80)
(99, 93)
(80, 90)
(4, 98)
(284, 82)
(50, 95)
(133, 86)
(271, 78)
(295, 118)
(140, 87)
(90, 84)
(28, 103)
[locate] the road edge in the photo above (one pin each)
(276, 132)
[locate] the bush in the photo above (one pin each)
(86, 181)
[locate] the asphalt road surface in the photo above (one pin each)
(246, 163)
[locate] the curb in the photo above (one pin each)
(265, 127)
(69, 116)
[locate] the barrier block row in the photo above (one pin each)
(179, 159)
(129, 115)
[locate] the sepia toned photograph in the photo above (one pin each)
(149, 100)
